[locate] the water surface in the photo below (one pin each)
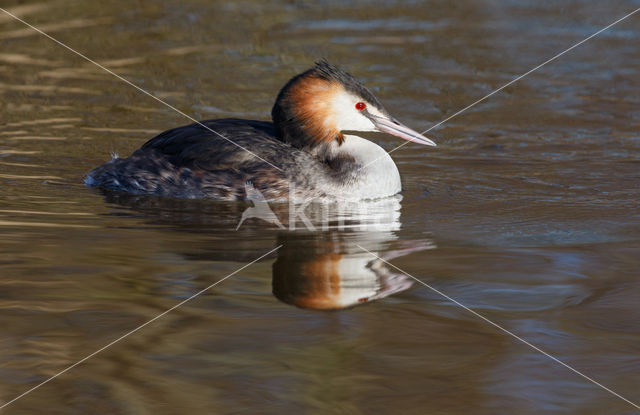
(527, 212)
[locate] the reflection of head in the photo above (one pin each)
(320, 283)
(325, 274)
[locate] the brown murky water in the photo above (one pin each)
(527, 213)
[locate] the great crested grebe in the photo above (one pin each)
(309, 151)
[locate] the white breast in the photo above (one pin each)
(378, 177)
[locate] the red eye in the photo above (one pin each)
(360, 106)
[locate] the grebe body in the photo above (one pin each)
(310, 150)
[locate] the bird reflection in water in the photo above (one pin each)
(322, 269)
(330, 271)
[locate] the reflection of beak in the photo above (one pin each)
(393, 127)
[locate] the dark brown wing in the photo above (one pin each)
(233, 144)
(194, 162)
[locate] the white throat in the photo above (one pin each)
(378, 177)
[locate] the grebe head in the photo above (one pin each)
(317, 106)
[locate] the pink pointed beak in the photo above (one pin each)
(393, 127)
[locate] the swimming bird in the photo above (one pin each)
(311, 150)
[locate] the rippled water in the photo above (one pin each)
(527, 212)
